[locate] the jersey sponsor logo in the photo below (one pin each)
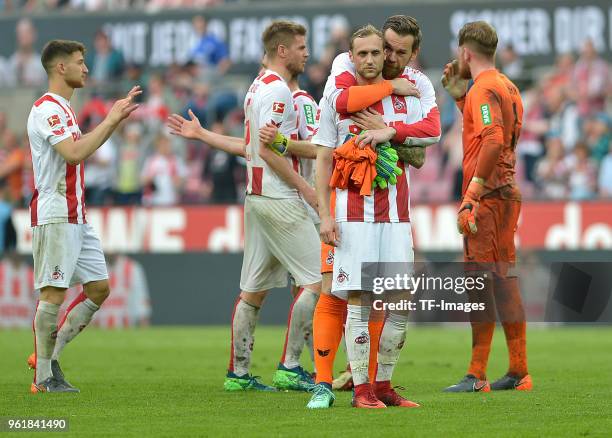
(309, 113)
(485, 111)
(54, 120)
(363, 338)
(342, 276)
(57, 274)
(278, 107)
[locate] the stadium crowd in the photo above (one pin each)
(565, 149)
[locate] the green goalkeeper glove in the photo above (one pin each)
(386, 165)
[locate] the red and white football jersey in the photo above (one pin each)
(423, 132)
(59, 187)
(17, 298)
(391, 204)
(268, 100)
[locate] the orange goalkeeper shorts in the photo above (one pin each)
(496, 220)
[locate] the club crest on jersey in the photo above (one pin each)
(54, 120)
(342, 276)
(278, 107)
(398, 104)
(363, 338)
(57, 274)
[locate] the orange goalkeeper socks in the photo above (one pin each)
(329, 316)
(375, 327)
(482, 335)
(510, 308)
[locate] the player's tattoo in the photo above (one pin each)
(413, 155)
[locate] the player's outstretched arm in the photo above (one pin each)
(193, 130)
(328, 229)
(358, 97)
(75, 152)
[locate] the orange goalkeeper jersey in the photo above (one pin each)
(492, 101)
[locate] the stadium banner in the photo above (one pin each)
(538, 31)
(217, 229)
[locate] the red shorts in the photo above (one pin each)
(497, 220)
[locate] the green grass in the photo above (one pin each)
(168, 382)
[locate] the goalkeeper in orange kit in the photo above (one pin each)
(488, 214)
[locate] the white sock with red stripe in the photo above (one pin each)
(45, 329)
(357, 336)
(299, 327)
(391, 342)
(77, 317)
(243, 337)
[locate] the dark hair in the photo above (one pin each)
(280, 33)
(404, 25)
(363, 32)
(480, 36)
(55, 48)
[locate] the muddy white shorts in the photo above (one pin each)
(66, 254)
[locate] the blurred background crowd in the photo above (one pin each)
(564, 151)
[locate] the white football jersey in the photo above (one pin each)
(425, 131)
(391, 204)
(59, 187)
(268, 100)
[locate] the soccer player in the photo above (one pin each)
(402, 38)
(372, 228)
(488, 214)
(65, 248)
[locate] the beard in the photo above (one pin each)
(295, 68)
(76, 82)
(391, 71)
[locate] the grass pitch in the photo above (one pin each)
(168, 382)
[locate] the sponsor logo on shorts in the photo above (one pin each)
(342, 276)
(330, 257)
(57, 274)
(362, 339)
(322, 353)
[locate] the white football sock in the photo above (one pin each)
(76, 320)
(243, 337)
(300, 326)
(391, 342)
(357, 338)
(45, 330)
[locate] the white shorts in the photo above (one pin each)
(279, 238)
(66, 254)
(368, 242)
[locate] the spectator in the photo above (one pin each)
(93, 112)
(530, 146)
(552, 170)
(198, 103)
(129, 161)
(561, 74)
(219, 173)
(597, 135)
(12, 166)
(563, 117)
(583, 173)
(99, 174)
(104, 62)
(590, 78)
(605, 174)
(512, 65)
(209, 51)
(154, 111)
(163, 174)
(24, 67)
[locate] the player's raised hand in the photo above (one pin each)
(185, 128)
(403, 87)
(124, 107)
(374, 137)
(329, 231)
(368, 119)
(452, 81)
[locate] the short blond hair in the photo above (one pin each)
(364, 32)
(280, 33)
(480, 36)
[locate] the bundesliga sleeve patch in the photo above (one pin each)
(54, 120)
(485, 112)
(278, 107)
